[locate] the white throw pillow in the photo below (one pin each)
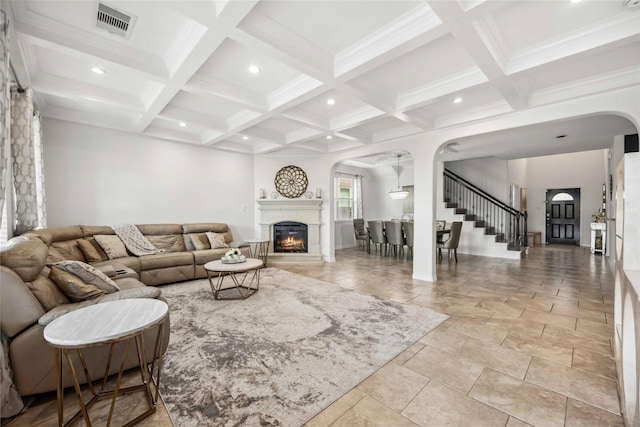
(217, 240)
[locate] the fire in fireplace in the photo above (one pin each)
(290, 237)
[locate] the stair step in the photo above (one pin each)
(478, 224)
(452, 205)
(460, 211)
(469, 217)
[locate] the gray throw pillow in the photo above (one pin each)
(89, 274)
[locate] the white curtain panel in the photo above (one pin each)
(39, 165)
(357, 182)
(23, 155)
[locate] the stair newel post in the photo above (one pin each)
(526, 236)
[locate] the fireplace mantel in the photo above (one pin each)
(307, 211)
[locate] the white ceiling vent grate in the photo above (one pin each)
(113, 21)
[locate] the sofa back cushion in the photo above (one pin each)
(63, 241)
(164, 236)
(25, 255)
(92, 251)
(203, 227)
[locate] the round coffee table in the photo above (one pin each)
(109, 323)
(251, 265)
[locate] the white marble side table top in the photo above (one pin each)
(108, 323)
(105, 322)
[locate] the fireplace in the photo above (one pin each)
(290, 237)
(306, 212)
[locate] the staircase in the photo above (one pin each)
(491, 228)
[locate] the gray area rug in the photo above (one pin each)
(280, 356)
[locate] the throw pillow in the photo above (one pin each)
(74, 288)
(47, 293)
(89, 274)
(92, 251)
(112, 245)
(200, 241)
(216, 240)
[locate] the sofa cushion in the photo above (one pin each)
(26, 256)
(215, 227)
(132, 262)
(165, 260)
(72, 286)
(69, 249)
(46, 292)
(92, 251)
(204, 256)
(171, 242)
(216, 240)
(89, 274)
(112, 246)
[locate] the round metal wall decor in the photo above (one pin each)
(291, 182)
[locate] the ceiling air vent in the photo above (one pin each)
(113, 21)
(632, 3)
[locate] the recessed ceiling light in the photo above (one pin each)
(182, 124)
(245, 137)
(561, 136)
(98, 70)
(457, 100)
(254, 69)
(575, 1)
(329, 137)
(331, 101)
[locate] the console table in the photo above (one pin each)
(109, 323)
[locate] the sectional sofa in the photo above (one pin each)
(30, 300)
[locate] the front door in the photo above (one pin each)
(563, 216)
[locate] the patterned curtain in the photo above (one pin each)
(23, 153)
(10, 401)
(357, 182)
(5, 118)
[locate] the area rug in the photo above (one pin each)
(280, 356)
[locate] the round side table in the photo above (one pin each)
(109, 323)
(259, 248)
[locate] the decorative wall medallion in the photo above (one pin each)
(291, 182)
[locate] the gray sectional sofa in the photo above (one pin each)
(29, 300)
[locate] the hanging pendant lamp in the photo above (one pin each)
(398, 193)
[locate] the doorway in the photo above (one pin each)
(563, 216)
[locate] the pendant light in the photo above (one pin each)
(398, 193)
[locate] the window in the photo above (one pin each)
(562, 197)
(346, 198)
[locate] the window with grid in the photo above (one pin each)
(345, 198)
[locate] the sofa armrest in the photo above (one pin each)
(62, 309)
(19, 308)
(107, 269)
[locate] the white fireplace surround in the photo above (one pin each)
(306, 211)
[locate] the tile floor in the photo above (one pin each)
(527, 343)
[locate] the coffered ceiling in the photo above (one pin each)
(391, 68)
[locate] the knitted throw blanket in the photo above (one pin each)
(135, 241)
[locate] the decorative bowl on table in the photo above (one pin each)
(233, 256)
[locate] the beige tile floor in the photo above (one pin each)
(527, 343)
